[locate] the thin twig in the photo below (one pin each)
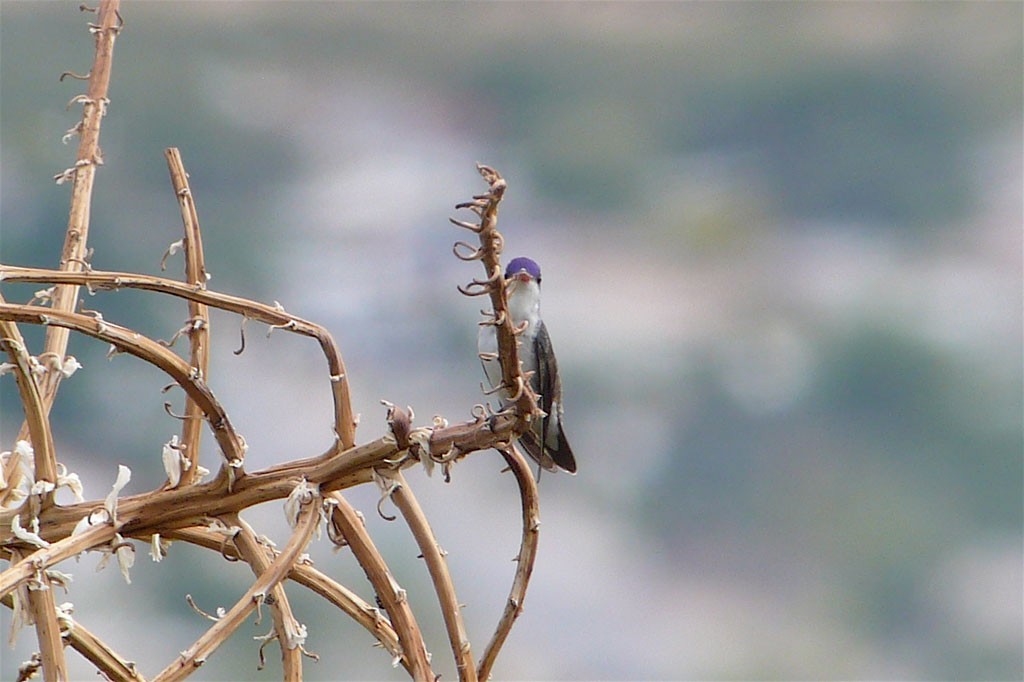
(198, 313)
(254, 554)
(486, 207)
(524, 560)
(58, 551)
(84, 171)
(36, 420)
(437, 565)
(347, 522)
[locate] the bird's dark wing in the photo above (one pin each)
(548, 384)
(545, 380)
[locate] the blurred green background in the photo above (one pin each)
(782, 257)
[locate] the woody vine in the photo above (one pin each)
(201, 502)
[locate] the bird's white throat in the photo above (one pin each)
(524, 305)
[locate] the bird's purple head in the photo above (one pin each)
(522, 269)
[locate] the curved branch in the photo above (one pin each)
(161, 510)
(150, 351)
(254, 554)
(36, 419)
(524, 566)
(345, 423)
(347, 523)
(406, 502)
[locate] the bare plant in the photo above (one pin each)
(37, 534)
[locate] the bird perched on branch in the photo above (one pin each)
(545, 441)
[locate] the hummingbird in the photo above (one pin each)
(545, 441)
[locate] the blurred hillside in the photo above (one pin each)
(782, 252)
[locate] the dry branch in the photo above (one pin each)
(406, 502)
(348, 527)
(198, 324)
(489, 253)
(273, 315)
(94, 108)
(196, 655)
(524, 560)
(364, 613)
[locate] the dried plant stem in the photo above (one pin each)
(11, 470)
(44, 611)
(402, 496)
(348, 524)
(198, 314)
(35, 412)
(94, 107)
(85, 642)
(97, 652)
(489, 253)
(195, 512)
(309, 577)
(160, 510)
(41, 559)
(255, 554)
(275, 316)
(40, 600)
(198, 653)
(136, 344)
(524, 561)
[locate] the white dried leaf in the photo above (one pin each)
(29, 536)
(302, 494)
(44, 294)
(124, 474)
(64, 617)
(295, 633)
(36, 367)
(217, 526)
(73, 483)
(6, 368)
(173, 461)
(125, 553)
(59, 578)
(24, 448)
(158, 548)
(40, 488)
(70, 366)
